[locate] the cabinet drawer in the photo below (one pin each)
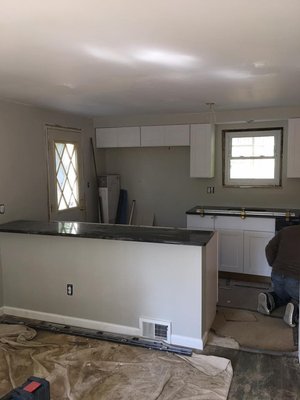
(198, 222)
(247, 224)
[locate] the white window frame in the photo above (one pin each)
(228, 135)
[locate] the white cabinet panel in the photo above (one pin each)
(293, 159)
(106, 137)
(231, 251)
(118, 137)
(201, 223)
(177, 135)
(202, 151)
(165, 135)
(255, 262)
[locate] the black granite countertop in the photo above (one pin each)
(244, 211)
(114, 232)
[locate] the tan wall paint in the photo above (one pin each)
(158, 178)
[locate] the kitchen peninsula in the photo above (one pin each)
(121, 276)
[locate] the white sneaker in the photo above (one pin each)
(289, 317)
(266, 303)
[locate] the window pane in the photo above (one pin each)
(66, 175)
(257, 146)
(264, 146)
(252, 169)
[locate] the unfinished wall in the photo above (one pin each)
(158, 178)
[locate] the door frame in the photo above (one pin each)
(82, 200)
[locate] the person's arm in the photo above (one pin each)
(272, 249)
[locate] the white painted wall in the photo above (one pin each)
(115, 283)
(23, 167)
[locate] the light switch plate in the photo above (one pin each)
(2, 208)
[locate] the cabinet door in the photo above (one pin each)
(106, 137)
(202, 151)
(231, 250)
(255, 262)
(205, 223)
(165, 135)
(177, 135)
(118, 137)
(293, 159)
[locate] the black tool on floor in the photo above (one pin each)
(33, 389)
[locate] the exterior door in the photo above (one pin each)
(65, 175)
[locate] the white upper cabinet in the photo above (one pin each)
(165, 135)
(202, 151)
(293, 149)
(118, 137)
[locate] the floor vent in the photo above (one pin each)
(158, 330)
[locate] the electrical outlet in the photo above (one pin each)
(2, 208)
(210, 189)
(69, 289)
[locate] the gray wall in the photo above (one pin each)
(158, 178)
(23, 167)
(23, 155)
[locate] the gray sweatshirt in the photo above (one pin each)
(283, 252)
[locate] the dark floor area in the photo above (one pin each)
(258, 376)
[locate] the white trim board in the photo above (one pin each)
(178, 340)
(1, 311)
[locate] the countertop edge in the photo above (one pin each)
(188, 237)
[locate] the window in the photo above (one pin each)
(252, 157)
(66, 168)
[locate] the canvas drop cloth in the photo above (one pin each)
(88, 369)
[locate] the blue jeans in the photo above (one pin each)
(285, 289)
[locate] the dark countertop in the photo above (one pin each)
(115, 232)
(244, 211)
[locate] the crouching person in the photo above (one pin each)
(283, 255)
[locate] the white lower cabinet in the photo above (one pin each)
(231, 251)
(255, 261)
(242, 242)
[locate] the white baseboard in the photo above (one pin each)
(178, 340)
(186, 341)
(72, 321)
(1, 311)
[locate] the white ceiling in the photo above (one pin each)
(129, 57)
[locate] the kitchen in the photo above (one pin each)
(147, 171)
(111, 65)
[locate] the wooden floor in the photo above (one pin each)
(258, 376)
